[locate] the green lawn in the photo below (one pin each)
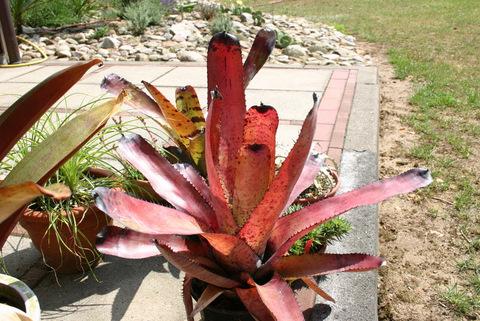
(437, 45)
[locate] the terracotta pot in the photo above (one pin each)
(229, 307)
(70, 254)
(17, 299)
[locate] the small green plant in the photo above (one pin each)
(340, 27)
(463, 303)
(316, 240)
(221, 23)
(208, 10)
(56, 13)
(100, 32)
(19, 8)
(258, 19)
(283, 40)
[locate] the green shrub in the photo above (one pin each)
(144, 13)
(283, 40)
(208, 10)
(221, 23)
(19, 9)
(258, 19)
(57, 13)
(100, 32)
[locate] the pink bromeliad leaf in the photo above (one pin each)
(197, 181)
(126, 243)
(225, 74)
(259, 226)
(310, 171)
(134, 96)
(219, 202)
(165, 179)
(232, 252)
(145, 217)
(261, 124)
(278, 296)
(252, 180)
(184, 263)
(261, 49)
(208, 296)
(252, 301)
(290, 228)
(293, 266)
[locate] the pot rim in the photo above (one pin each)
(32, 305)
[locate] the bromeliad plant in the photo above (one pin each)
(185, 124)
(230, 232)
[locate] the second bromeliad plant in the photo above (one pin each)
(229, 235)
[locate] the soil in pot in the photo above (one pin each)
(66, 248)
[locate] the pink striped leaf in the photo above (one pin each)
(184, 263)
(208, 296)
(278, 297)
(145, 217)
(197, 181)
(261, 49)
(259, 226)
(252, 301)
(290, 228)
(298, 266)
(165, 180)
(232, 252)
(225, 74)
(126, 243)
(312, 167)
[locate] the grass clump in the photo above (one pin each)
(144, 13)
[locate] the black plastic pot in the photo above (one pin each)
(226, 307)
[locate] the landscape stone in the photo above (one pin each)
(110, 43)
(191, 56)
(295, 51)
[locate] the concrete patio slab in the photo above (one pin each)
(150, 289)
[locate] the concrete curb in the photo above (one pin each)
(356, 293)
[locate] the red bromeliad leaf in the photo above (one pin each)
(278, 297)
(208, 296)
(252, 301)
(259, 226)
(186, 100)
(261, 123)
(187, 296)
(225, 73)
(290, 228)
(18, 119)
(312, 284)
(135, 97)
(298, 266)
(252, 180)
(261, 49)
(310, 171)
(195, 270)
(232, 252)
(126, 243)
(165, 179)
(143, 216)
(219, 202)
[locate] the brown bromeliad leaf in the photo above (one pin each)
(208, 296)
(14, 197)
(254, 304)
(187, 102)
(261, 49)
